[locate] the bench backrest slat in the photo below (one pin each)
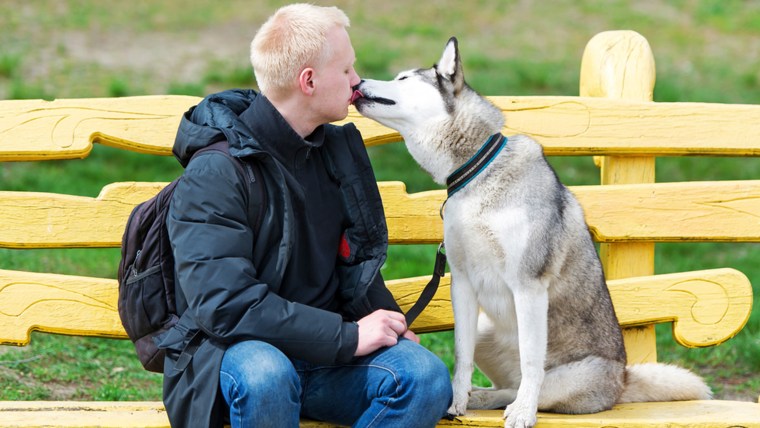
(695, 211)
(61, 129)
(33, 130)
(707, 307)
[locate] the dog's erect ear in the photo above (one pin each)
(450, 65)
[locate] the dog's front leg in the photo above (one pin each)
(465, 306)
(531, 308)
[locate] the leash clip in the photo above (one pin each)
(440, 261)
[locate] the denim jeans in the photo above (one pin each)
(400, 386)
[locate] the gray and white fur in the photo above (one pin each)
(531, 305)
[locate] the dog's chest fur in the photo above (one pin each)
(481, 243)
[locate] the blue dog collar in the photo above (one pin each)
(465, 173)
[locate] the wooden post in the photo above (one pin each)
(620, 65)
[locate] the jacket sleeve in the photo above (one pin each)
(380, 297)
(212, 245)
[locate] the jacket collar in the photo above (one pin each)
(274, 134)
(215, 118)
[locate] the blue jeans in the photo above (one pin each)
(401, 386)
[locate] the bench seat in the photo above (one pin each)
(146, 414)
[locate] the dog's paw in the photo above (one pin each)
(458, 408)
(459, 404)
(520, 415)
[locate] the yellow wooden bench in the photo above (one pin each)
(613, 119)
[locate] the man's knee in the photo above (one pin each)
(260, 386)
(424, 371)
(257, 367)
(434, 376)
(424, 383)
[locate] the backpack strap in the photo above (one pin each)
(251, 174)
(256, 202)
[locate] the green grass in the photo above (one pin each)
(57, 367)
(705, 52)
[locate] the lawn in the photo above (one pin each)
(705, 51)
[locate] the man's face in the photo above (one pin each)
(335, 77)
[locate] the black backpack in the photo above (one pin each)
(146, 270)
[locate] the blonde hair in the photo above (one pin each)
(289, 40)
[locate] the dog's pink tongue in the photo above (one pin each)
(356, 95)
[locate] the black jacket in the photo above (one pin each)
(228, 278)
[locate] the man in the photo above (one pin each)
(283, 310)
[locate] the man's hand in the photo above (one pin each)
(379, 329)
(409, 334)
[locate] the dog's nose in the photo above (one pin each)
(356, 87)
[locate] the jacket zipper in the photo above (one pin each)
(249, 171)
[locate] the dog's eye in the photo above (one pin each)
(402, 78)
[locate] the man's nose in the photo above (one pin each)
(355, 79)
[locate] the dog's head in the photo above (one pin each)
(416, 98)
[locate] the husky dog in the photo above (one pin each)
(519, 250)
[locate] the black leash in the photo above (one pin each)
(439, 270)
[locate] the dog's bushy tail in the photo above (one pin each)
(662, 382)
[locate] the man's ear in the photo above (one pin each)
(306, 81)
